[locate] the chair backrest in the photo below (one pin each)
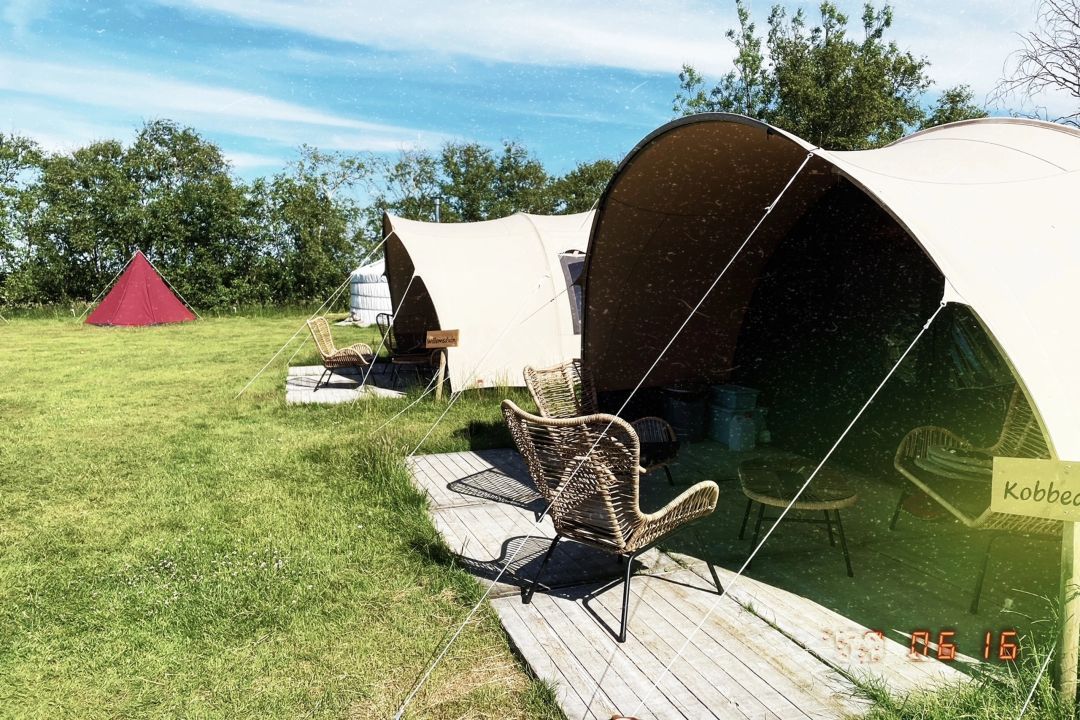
(1021, 434)
(565, 390)
(587, 468)
(320, 333)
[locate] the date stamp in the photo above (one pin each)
(868, 646)
(860, 646)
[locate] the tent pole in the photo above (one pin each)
(442, 375)
(1069, 642)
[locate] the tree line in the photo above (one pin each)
(70, 221)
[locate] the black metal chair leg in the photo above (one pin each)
(899, 506)
(670, 480)
(828, 522)
(745, 517)
(319, 381)
(626, 596)
(974, 609)
(757, 531)
(843, 544)
(527, 597)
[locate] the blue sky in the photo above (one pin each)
(573, 81)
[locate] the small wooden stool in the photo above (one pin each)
(774, 482)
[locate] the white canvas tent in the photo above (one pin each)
(369, 293)
(505, 285)
(992, 203)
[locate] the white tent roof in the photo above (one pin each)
(500, 283)
(994, 203)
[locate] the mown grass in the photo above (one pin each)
(167, 550)
(999, 693)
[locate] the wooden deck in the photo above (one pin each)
(763, 652)
(342, 387)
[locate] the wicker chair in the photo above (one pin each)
(1021, 436)
(358, 355)
(567, 390)
(587, 468)
(412, 356)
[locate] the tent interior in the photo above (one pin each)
(813, 313)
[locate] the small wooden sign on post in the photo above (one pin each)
(440, 340)
(1049, 489)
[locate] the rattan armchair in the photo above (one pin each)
(358, 355)
(567, 390)
(1021, 436)
(587, 468)
(410, 355)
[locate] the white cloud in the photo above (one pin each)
(250, 161)
(650, 36)
(967, 41)
(138, 96)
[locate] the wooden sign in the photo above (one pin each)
(1047, 489)
(437, 339)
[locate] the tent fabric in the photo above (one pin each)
(140, 297)
(500, 283)
(369, 293)
(991, 202)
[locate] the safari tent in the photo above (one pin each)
(369, 294)
(507, 286)
(841, 274)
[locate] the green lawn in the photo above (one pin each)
(166, 550)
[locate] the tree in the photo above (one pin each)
(312, 223)
(1049, 58)
(190, 212)
(954, 105)
(20, 161)
(86, 224)
(836, 91)
(579, 189)
(476, 184)
(471, 181)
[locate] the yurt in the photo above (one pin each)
(369, 293)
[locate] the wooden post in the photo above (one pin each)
(442, 375)
(1069, 642)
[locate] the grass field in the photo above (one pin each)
(169, 551)
(166, 550)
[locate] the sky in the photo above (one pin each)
(574, 81)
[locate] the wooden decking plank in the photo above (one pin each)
(569, 664)
(711, 643)
(646, 648)
(721, 692)
(794, 616)
(606, 659)
(535, 652)
(731, 625)
(778, 652)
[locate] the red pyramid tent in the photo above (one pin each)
(140, 297)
